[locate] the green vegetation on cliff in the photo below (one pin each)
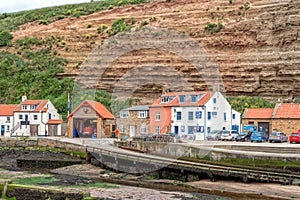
(240, 103)
(12, 21)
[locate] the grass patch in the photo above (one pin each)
(40, 180)
(98, 185)
(260, 164)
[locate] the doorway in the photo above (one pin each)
(2, 130)
(131, 131)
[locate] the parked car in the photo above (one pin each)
(244, 136)
(295, 138)
(278, 137)
(258, 137)
(214, 135)
(229, 135)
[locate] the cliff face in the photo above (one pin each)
(255, 53)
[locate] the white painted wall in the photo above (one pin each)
(7, 125)
(217, 122)
(42, 119)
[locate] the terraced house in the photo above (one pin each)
(30, 118)
(192, 114)
(134, 121)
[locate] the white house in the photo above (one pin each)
(6, 119)
(198, 113)
(36, 118)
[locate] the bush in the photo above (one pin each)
(214, 28)
(5, 38)
(89, 25)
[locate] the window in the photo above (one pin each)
(208, 115)
(20, 116)
(8, 119)
(157, 116)
(208, 129)
(233, 116)
(194, 99)
(165, 99)
(157, 129)
(224, 116)
(143, 128)
(35, 117)
(178, 116)
(49, 116)
(24, 107)
(32, 107)
(181, 99)
(122, 128)
(7, 128)
(214, 100)
(124, 114)
(143, 114)
(191, 115)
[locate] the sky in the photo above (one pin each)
(19, 5)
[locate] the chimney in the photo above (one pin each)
(24, 97)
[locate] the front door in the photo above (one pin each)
(176, 130)
(107, 131)
(132, 131)
(2, 130)
(264, 127)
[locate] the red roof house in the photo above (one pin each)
(91, 119)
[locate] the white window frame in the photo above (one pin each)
(143, 129)
(35, 117)
(124, 114)
(24, 107)
(20, 116)
(8, 128)
(122, 128)
(157, 116)
(32, 107)
(157, 129)
(142, 114)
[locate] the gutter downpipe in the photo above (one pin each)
(205, 129)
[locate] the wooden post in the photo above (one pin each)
(71, 127)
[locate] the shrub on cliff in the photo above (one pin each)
(5, 38)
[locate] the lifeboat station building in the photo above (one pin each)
(91, 120)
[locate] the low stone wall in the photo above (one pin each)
(30, 194)
(40, 142)
(44, 142)
(45, 164)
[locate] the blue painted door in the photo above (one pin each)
(176, 130)
(26, 118)
(2, 129)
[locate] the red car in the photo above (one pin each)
(295, 138)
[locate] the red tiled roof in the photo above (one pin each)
(175, 101)
(40, 105)
(55, 121)
(97, 107)
(7, 109)
(258, 113)
(288, 110)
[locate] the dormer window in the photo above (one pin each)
(194, 98)
(181, 99)
(32, 107)
(164, 99)
(24, 107)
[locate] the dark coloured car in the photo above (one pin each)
(214, 135)
(278, 137)
(258, 137)
(244, 136)
(295, 138)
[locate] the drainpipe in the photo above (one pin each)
(204, 121)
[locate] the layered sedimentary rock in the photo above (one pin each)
(255, 53)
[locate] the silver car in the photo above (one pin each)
(278, 137)
(214, 135)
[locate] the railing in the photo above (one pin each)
(16, 127)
